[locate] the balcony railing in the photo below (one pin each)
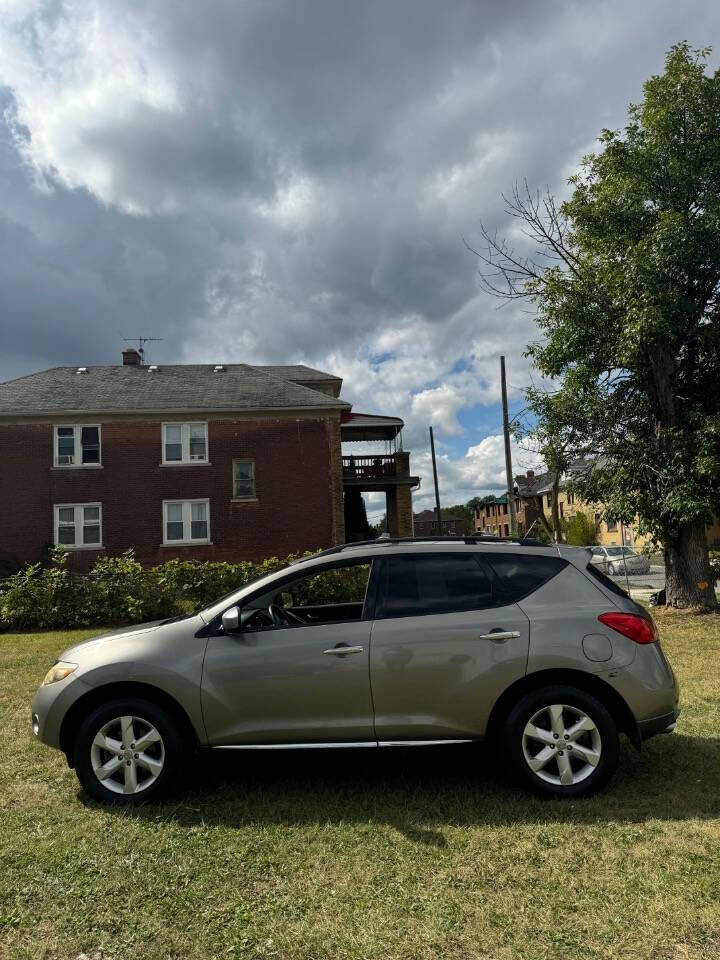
(370, 468)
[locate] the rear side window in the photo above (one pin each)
(520, 574)
(412, 586)
(606, 581)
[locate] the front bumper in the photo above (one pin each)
(662, 724)
(50, 705)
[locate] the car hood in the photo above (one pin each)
(122, 633)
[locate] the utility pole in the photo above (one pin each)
(508, 456)
(437, 491)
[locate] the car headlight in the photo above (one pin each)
(59, 671)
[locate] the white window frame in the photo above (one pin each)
(186, 521)
(254, 479)
(185, 426)
(79, 522)
(77, 446)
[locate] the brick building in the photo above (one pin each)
(493, 517)
(216, 462)
(426, 525)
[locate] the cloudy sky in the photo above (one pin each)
(290, 181)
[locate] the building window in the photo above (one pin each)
(505, 509)
(77, 445)
(185, 443)
(78, 525)
(562, 512)
(507, 530)
(243, 479)
(571, 498)
(186, 521)
(549, 499)
(612, 526)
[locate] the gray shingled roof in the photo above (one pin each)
(534, 486)
(296, 371)
(190, 387)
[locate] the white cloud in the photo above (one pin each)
(291, 181)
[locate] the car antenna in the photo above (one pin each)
(529, 530)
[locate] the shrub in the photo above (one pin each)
(582, 530)
(118, 590)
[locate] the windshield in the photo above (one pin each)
(615, 551)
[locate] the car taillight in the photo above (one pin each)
(639, 629)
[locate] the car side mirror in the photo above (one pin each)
(231, 620)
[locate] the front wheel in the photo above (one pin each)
(562, 742)
(127, 751)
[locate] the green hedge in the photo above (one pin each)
(118, 590)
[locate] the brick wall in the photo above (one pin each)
(337, 505)
(295, 483)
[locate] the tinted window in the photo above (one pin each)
(609, 584)
(520, 574)
(432, 583)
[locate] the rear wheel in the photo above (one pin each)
(562, 742)
(127, 751)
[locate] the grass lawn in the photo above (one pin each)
(387, 854)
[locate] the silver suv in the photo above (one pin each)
(382, 644)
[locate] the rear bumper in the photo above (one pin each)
(662, 724)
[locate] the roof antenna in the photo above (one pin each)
(141, 341)
(529, 531)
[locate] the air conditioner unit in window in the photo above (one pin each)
(65, 459)
(197, 456)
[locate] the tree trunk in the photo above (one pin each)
(688, 578)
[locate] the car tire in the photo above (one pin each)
(141, 770)
(550, 716)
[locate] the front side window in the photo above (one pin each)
(333, 595)
(185, 443)
(244, 479)
(412, 586)
(186, 521)
(78, 525)
(77, 445)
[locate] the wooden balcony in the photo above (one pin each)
(377, 471)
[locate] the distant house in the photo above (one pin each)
(536, 491)
(426, 525)
(493, 516)
(209, 461)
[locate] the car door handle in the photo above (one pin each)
(500, 635)
(341, 651)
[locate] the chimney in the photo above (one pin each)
(131, 357)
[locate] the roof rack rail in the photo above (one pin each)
(382, 541)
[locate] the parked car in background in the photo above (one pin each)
(614, 560)
(383, 644)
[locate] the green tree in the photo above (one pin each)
(581, 530)
(549, 421)
(626, 289)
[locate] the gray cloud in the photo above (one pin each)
(283, 180)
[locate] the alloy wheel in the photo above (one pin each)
(127, 755)
(561, 744)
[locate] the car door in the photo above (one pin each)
(293, 683)
(445, 644)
